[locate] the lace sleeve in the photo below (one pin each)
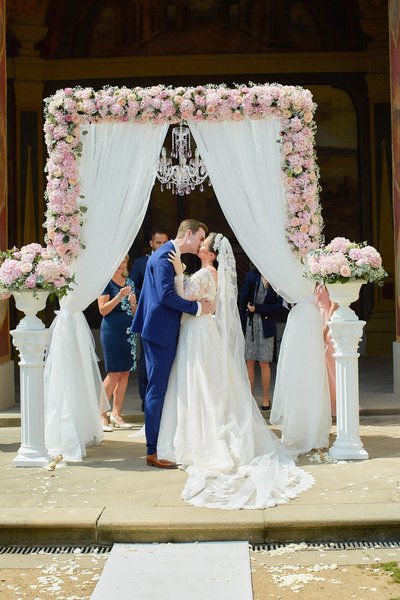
(191, 288)
(179, 287)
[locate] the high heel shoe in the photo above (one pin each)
(119, 425)
(107, 427)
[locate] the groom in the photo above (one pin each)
(157, 319)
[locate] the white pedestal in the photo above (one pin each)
(346, 336)
(31, 346)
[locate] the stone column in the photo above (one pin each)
(7, 396)
(28, 88)
(394, 43)
(380, 326)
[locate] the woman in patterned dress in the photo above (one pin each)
(260, 306)
(117, 305)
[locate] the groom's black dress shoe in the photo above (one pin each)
(153, 461)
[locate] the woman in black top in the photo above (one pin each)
(260, 306)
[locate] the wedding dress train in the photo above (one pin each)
(211, 424)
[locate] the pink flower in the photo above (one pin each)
(187, 106)
(26, 267)
(168, 108)
(157, 103)
(339, 244)
(366, 256)
(10, 270)
(345, 271)
(31, 281)
(33, 267)
(31, 249)
(237, 116)
(287, 147)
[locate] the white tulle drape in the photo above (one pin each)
(117, 174)
(243, 161)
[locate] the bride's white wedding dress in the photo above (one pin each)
(211, 424)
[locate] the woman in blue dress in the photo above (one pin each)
(117, 305)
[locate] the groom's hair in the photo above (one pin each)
(191, 224)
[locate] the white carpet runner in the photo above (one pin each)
(190, 571)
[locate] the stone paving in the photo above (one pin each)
(113, 496)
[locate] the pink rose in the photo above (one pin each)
(26, 267)
(345, 271)
(287, 147)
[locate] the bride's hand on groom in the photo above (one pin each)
(176, 262)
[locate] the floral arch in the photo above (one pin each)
(257, 142)
(70, 108)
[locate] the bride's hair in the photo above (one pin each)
(215, 242)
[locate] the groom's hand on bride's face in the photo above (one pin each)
(205, 307)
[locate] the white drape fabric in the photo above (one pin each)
(243, 161)
(117, 174)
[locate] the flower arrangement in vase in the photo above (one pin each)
(33, 269)
(30, 275)
(342, 261)
(344, 266)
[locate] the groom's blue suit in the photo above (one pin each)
(157, 319)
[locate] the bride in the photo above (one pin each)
(211, 424)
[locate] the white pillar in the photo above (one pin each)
(31, 346)
(346, 335)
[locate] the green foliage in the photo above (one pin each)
(393, 569)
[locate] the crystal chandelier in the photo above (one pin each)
(183, 177)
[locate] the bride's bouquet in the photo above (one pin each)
(33, 268)
(342, 261)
